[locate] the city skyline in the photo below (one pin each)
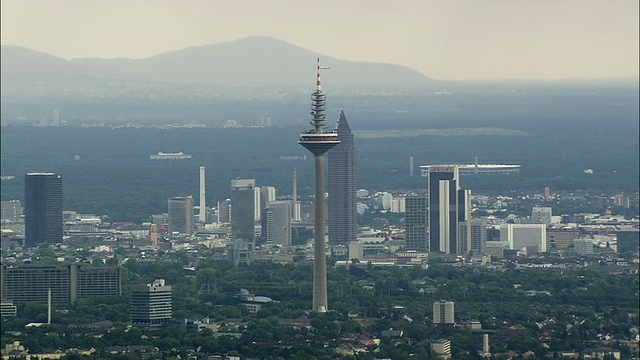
(450, 41)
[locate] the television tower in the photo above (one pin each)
(319, 142)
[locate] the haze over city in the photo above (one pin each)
(441, 39)
(359, 180)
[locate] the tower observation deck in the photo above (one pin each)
(318, 142)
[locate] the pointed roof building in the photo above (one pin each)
(343, 224)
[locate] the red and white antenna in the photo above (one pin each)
(319, 67)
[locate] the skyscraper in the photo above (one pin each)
(318, 142)
(243, 210)
(295, 204)
(43, 208)
(151, 305)
(416, 223)
(202, 215)
(267, 195)
(180, 210)
(343, 221)
(473, 234)
(443, 312)
(448, 207)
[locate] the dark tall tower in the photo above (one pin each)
(343, 222)
(243, 210)
(43, 208)
(448, 208)
(318, 142)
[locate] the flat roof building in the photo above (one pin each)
(417, 223)
(443, 312)
(43, 208)
(180, 210)
(22, 284)
(151, 305)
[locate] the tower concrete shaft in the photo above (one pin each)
(319, 257)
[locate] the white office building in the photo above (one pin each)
(520, 236)
(443, 312)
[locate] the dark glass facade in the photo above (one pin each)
(342, 186)
(243, 209)
(43, 208)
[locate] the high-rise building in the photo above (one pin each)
(151, 305)
(318, 142)
(243, 206)
(398, 205)
(473, 234)
(385, 200)
(267, 195)
(43, 208)
(295, 204)
(263, 195)
(257, 204)
(281, 221)
(57, 117)
(443, 312)
(416, 223)
(266, 225)
(223, 211)
(202, 215)
(448, 207)
(181, 214)
(343, 217)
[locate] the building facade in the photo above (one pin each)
(151, 305)
(473, 234)
(443, 312)
(43, 208)
(416, 223)
(342, 187)
(520, 236)
(243, 209)
(22, 284)
(181, 214)
(276, 222)
(561, 238)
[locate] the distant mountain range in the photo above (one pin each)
(262, 61)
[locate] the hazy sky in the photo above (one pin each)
(445, 39)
